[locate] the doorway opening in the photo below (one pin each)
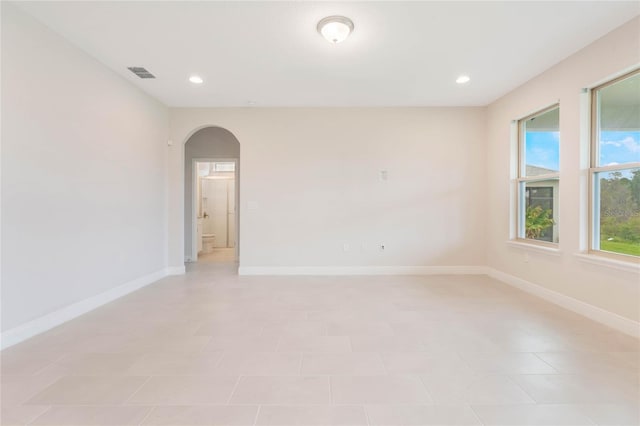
(215, 210)
(219, 174)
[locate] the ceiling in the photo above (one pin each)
(269, 54)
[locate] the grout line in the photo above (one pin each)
(146, 416)
(475, 414)
(255, 421)
(234, 390)
(536, 354)
(512, 380)
(136, 391)
(366, 414)
(39, 415)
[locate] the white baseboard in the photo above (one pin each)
(600, 315)
(362, 270)
(175, 270)
(54, 319)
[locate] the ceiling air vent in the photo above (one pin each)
(141, 72)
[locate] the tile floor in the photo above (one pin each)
(212, 348)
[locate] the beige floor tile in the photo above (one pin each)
(350, 364)
(507, 363)
(297, 346)
(97, 364)
(90, 415)
(282, 390)
(587, 362)
(378, 390)
(421, 415)
(15, 390)
(474, 389)
(424, 363)
(357, 328)
(260, 364)
(314, 344)
(310, 415)
(242, 344)
(165, 364)
(231, 328)
(613, 414)
(295, 328)
(19, 415)
(184, 390)
(228, 415)
(89, 390)
(18, 361)
(382, 344)
(531, 415)
(574, 388)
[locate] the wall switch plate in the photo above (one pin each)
(345, 247)
(383, 175)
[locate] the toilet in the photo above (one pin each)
(208, 242)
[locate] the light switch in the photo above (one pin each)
(384, 175)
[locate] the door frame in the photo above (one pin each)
(194, 202)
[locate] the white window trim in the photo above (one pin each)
(610, 262)
(598, 256)
(551, 250)
(516, 225)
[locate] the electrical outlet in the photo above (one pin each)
(381, 247)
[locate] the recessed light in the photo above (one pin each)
(335, 29)
(196, 79)
(463, 79)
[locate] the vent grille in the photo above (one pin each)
(141, 72)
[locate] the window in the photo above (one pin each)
(538, 176)
(615, 166)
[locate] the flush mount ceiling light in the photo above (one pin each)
(196, 79)
(463, 79)
(335, 28)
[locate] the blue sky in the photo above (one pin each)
(542, 148)
(619, 147)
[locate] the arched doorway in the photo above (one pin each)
(211, 194)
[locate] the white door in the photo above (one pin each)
(219, 207)
(231, 212)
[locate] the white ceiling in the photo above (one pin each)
(400, 53)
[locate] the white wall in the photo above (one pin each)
(83, 175)
(611, 289)
(309, 184)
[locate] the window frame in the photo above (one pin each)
(595, 168)
(522, 180)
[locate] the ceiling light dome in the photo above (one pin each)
(335, 28)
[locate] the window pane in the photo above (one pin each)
(618, 202)
(541, 210)
(619, 122)
(542, 144)
(224, 167)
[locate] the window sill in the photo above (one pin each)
(552, 251)
(608, 262)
